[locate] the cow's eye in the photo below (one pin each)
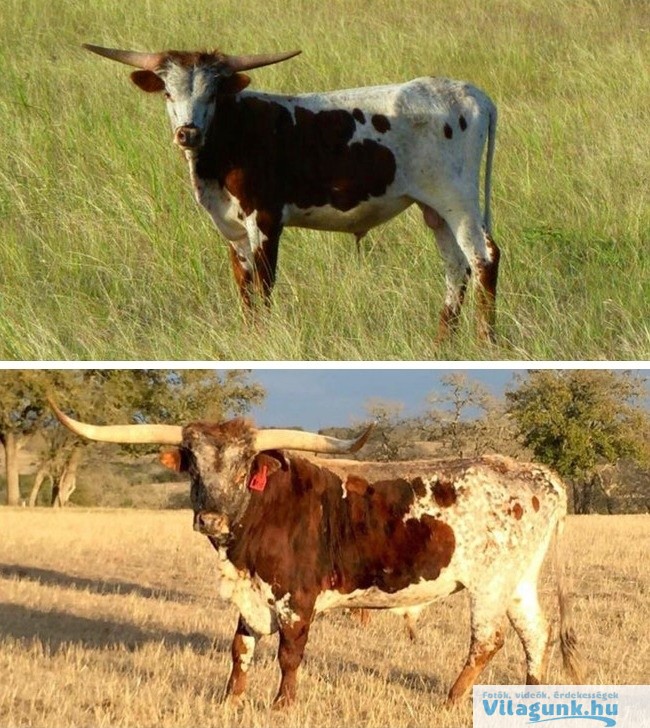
(168, 96)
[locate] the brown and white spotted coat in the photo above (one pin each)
(314, 539)
(344, 161)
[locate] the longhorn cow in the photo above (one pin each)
(295, 538)
(344, 160)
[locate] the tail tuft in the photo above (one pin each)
(568, 641)
(570, 655)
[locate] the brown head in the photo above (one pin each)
(191, 82)
(218, 457)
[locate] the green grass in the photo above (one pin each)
(105, 255)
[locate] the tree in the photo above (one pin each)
(576, 419)
(460, 398)
(386, 415)
(22, 407)
(182, 395)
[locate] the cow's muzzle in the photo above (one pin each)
(188, 137)
(211, 524)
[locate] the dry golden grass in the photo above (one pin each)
(109, 617)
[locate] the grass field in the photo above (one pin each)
(110, 618)
(105, 255)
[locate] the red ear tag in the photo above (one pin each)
(258, 480)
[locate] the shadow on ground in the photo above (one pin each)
(56, 629)
(50, 577)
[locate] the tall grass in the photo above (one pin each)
(105, 255)
(111, 618)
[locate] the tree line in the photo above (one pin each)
(578, 422)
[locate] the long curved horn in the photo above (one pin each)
(147, 61)
(246, 63)
(297, 440)
(123, 434)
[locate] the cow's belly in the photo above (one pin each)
(415, 595)
(359, 219)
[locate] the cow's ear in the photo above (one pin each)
(272, 460)
(173, 459)
(234, 84)
(148, 81)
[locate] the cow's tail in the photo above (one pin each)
(492, 130)
(568, 640)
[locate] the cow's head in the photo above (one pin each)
(220, 458)
(191, 82)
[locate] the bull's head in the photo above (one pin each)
(191, 82)
(219, 458)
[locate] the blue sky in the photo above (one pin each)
(316, 398)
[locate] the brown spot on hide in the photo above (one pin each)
(310, 162)
(419, 488)
(357, 485)
(444, 493)
(377, 545)
(448, 131)
(381, 123)
(359, 116)
(535, 503)
(517, 511)
(462, 122)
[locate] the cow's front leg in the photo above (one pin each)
(266, 261)
(293, 638)
(242, 650)
(263, 230)
(242, 268)
(255, 271)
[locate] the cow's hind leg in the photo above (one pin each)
(486, 640)
(457, 272)
(528, 620)
(242, 651)
(483, 257)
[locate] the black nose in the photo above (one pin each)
(188, 137)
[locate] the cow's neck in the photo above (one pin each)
(219, 154)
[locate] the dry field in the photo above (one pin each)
(110, 618)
